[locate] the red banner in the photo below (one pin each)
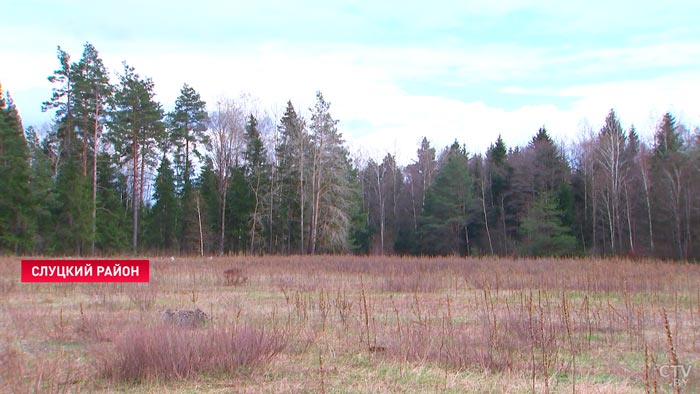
(85, 271)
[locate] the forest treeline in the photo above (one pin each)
(117, 174)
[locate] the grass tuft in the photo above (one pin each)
(162, 352)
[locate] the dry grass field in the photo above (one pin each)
(342, 324)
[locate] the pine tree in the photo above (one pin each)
(188, 122)
(92, 92)
(72, 231)
(63, 101)
(136, 125)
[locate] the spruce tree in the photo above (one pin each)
(449, 206)
(165, 211)
(258, 176)
(293, 163)
(16, 203)
(543, 233)
(43, 195)
(112, 216)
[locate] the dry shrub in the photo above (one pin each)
(90, 327)
(23, 373)
(144, 297)
(164, 352)
(234, 276)
(461, 346)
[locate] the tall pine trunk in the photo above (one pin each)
(94, 177)
(135, 193)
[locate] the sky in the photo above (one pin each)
(393, 71)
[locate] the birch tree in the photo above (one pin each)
(225, 144)
(613, 166)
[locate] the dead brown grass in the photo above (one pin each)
(164, 352)
(358, 324)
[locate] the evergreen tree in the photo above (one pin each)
(73, 230)
(112, 215)
(72, 218)
(293, 162)
(188, 122)
(667, 139)
(16, 203)
(670, 166)
(543, 233)
(449, 204)
(42, 190)
(136, 125)
(238, 211)
(360, 230)
(63, 102)
(92, 92)
(258, 175)
(331, 193)
(500, 175)
(165, 211)
(210, 206)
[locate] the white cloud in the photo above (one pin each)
(365, 86)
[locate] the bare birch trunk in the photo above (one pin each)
(199, 221)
